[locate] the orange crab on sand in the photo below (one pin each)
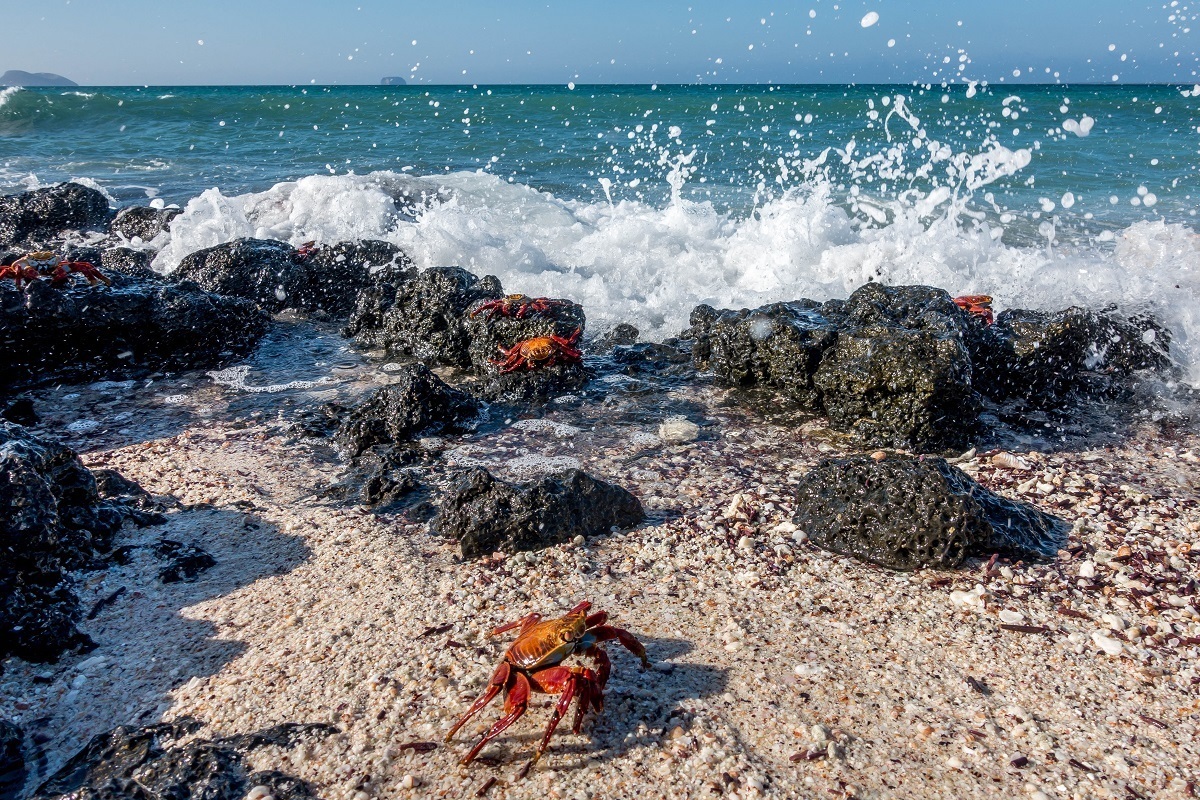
(60, 270)
(980, 305)
(533, 663)
(540, 351)
(517, 305)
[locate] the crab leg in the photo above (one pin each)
(515, 703)
(524, 623)
(567, 681)
(604, 633)
(498, 681)
(603, 668)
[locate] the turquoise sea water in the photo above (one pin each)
(641, 201)
(176, 142)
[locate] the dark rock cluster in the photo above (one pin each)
(50, 333)
(417, 402)
(904, 366)
(31, 219)
(276, 276)
(487, 515)
(142, 222)
(53, 519)
(905, 513)
(149, 764)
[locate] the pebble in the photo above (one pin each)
(1087, 569)
(259, 792)
(745, 543)
(1011, 617)
(1111, 646)
(408, 782)
(819, 733)
(678, 430)
(664, 667)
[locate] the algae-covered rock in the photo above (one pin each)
(486, 514)
(905, 513)
(417, 402)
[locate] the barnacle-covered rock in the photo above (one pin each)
(417, 402)
(486, 514)
(905, 513)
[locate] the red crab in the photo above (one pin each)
(19, 274)
(533, 664)
(541, 351)
(60, 269)
(979, 305)
(305, 251)
(517, 305)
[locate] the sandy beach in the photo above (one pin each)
(779, 670)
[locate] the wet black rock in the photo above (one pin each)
(671, 357)
(890, 364)
(486, 515)
(494, 330)
(185, 562)
(908, 513)
(52, 520)
(425, 316)
(778, 346)
(149, 764)
(19, 410)
(12, 760)
(1042, 356)
(142, 222)
(69, 334)
(127, 261)
(33, 218)
(387, 487)
(532, 386)
(276, 276)
(417, 402)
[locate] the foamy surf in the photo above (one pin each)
(633, 262)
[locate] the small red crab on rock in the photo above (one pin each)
(540, 351)
(533, 664)
(517, 305)
(18, 274)
(979, 305)
(32, 266)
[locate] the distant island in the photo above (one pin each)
(394, 80)
(19, 77)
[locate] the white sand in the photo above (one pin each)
(781, 670)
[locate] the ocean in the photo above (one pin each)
(642, 201)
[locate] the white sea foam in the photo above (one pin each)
(630, 261)
(6, 94)
(235, 378)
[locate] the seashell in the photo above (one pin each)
(1010, 461)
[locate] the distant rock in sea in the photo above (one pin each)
(19, 77)
(394, 80)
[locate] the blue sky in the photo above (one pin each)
(614, 41)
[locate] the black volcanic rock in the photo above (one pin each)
(133, 325)
(34, 217)
(485, 514)
(906, 513)
(417, 402)
(276, 276)
(19, 77)
(149, 764)
(12, 760)
(423, 316)
(52, 520)
(143, 222)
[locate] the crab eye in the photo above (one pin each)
(566, 636)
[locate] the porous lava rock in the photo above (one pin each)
(532, 386)
(487, 515)
(52, 520)
(142, 222)
(777, 346)
(492, 331)
(12, 760)
(906, 513)
(1042, 356)
(416, 402)
(334, 275)
(424, 316)
(184, 562)
(68, 334)
(149, 763)
(890, 364)
(127, 261)
(30, 219)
